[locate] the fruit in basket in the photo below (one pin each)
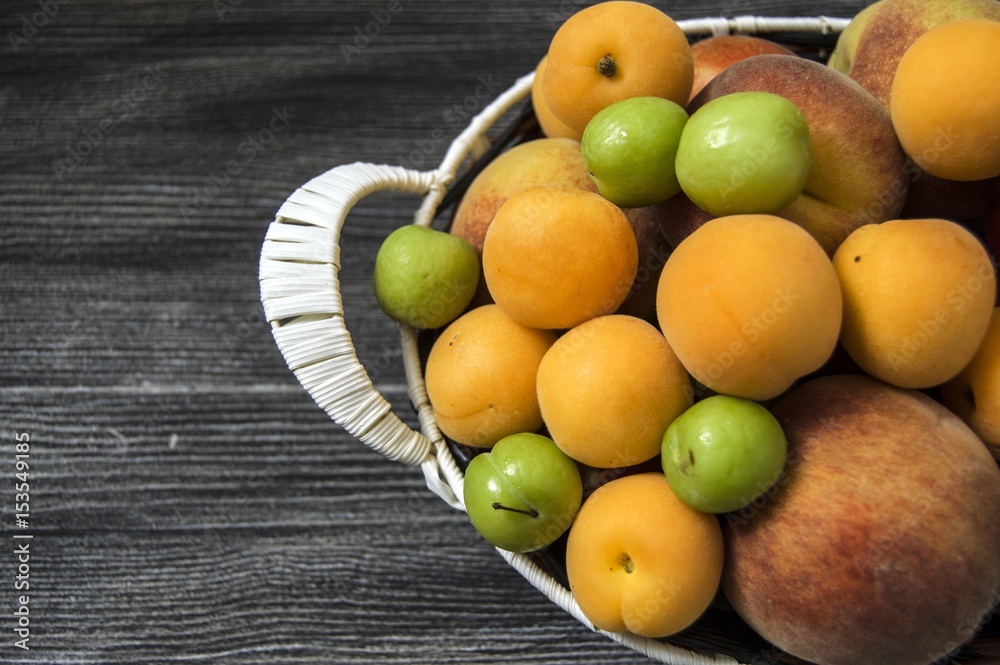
(424, 277)
(746, 152)
(639, 559)
(480, 377)
(630, 148)
(554, 258)
(723, 453)
(954, 136)
(556, 162)
(857, 174)
(653, 252)
(523, 494)
(551, 126)
(613, 51)
(750, 304)
(974, 395)
(609, 388)
(870, 47)
(714, 54)
(880, 545)
(918, 296)
(869, 51)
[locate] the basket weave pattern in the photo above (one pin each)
(300, 291)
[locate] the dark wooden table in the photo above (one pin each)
(188, 500)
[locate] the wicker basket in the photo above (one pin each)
(300, 290)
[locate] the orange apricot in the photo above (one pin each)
(609, 388)
(750, 304)
(481, 374)
(918, 297)
(639, 559)
(553, 258)
(551, 126)
(612, 51)
(945, 100)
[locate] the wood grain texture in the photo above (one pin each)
(189, 501)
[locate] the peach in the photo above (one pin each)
(880, 543)
(750, 304)
(556, 162)
(640, 560)
(955, 135)
(918, 296)
(857, 174)
(974, 395)
(609, 388)
(612, 51)
(481, 374)
(554, 258)
(714, 54)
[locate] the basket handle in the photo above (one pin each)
(300, 291)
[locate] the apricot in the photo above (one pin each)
(554, 258)
(750, 304)
(612, 51)
(945, 99)
(974, 395)
(918, 297)
(639, 559)
(480, 377)
(609, 388)
(551, 126)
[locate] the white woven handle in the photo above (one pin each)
(300, 290)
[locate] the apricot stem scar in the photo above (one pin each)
(606, 66)
(530, 513)
(625, 561)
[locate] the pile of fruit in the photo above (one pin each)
(754, 294)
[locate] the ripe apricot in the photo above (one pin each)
(945, 100)
(554, 258)
(639, 559)
(481, 374)
(612, 51)
(609, 388)
(918, 296)
(750, 304)
(551, 126)
(974, 395)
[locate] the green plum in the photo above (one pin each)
(743, 153)
(524, 493)
(424, 277)
(722, 453)
(630, 148)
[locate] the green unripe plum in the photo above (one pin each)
(744, 153)
(722, 453)
(630, 149)
(524, 493)
(424, 277)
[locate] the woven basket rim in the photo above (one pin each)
(300, 292)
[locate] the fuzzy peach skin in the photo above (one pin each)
(609, 388)
(880, 543)
(750, 304)
(639, 559)
(918, 296)
(480, 377)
